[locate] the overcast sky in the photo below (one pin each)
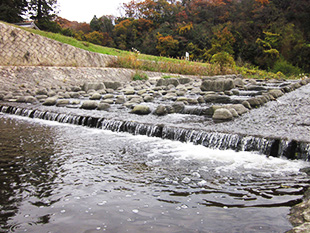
(84, 11)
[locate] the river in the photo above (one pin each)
(58, 177)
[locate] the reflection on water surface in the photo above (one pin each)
(63, 178)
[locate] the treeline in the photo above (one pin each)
(270, 34)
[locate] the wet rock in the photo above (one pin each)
(148, 98)
(120, 99)
(256, 88)
(246, 104)
(75, 95)
(180, 93)
(276, 93)
(30, 99)
(241, 109)
(76, 89)
(92, 86)
(141, 110)
(108, 96)
(95, 96)
(161, 110)
(50, 101)
(215, 98)
(167, 82)
(135, 99)
(41, 91)
(239, 82)
(20, 99)
(141, 92)
(217, 85)
(89, 104)
(254, 102)
(129, 91)
(233, 112)
(184, 80)
(51, 93)
(108, 101)
(112, 85)
(178, 107)
(103, 106)
(41, 97)
(201, 100)
(222, 114)
(62, 102)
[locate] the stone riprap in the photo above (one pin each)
(22, 48)
(109, 89)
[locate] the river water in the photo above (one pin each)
(65, 178)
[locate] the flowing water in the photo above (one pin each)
(57, 177)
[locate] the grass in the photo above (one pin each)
(145, 62)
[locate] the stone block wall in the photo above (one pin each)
(22, 48)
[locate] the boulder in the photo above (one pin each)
(41, 91)
(120, 99)
(222, 114)
(141, 110)
(30, 99)
(217, 85)
(241, 109)
(254, 102)
(75, 95)
(238, 82)
(95, 96)
(89, 104)
(148, 98)
(276, 93)
(166, 82)
(178, 107)
(108, 101)
(161, 110)
(62, 102)
(215, 98)
(92, 86)
(112, 85)
(103, 106)
(184, 80)
(246, 104)
(50, 101)
(129, 91)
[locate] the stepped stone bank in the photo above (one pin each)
(45, 73)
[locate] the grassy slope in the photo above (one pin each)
(155, 63)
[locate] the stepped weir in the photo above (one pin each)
(275, 147)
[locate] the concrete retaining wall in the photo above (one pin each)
(22, 48)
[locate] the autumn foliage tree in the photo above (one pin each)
(264, 33)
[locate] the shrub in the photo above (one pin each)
(286, 68)
(139, 76)
(223, 59)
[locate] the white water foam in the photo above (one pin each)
(223, 160)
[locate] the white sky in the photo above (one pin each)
(84, 11)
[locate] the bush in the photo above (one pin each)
(286, 68)
(223, 59)
(139, 76)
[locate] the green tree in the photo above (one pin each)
(42, 9)
(12, 11)
(94, 24)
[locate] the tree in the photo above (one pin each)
(166, 45)
(100, 38)
(94, 24)
(12, 11)
(42, 9)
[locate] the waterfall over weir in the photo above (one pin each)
(223, 141)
